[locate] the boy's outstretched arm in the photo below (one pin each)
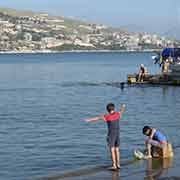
(94, 119)
(122, 109)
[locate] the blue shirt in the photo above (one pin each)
(158, 136)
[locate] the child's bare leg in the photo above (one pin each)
(113, 156)
(148, 146)
(117, 157)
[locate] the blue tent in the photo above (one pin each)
(173, 52)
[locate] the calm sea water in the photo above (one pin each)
(44, 99)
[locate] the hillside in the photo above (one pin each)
(36, 31)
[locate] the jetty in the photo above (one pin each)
(157, 79)
(169, 61)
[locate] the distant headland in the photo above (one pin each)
(31, 32)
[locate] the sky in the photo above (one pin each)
(155, 16)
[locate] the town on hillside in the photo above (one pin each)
(32, 32)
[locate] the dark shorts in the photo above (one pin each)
(113, 140)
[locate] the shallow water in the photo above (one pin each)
(44, 99)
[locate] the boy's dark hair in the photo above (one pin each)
(110, 107)
(145, 129)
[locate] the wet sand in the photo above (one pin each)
(161, 169)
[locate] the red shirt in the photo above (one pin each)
(112, 117)
(112, 122)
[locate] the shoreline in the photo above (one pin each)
(80, 51)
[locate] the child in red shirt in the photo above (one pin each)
(112, 120)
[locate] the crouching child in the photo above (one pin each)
(157, 144)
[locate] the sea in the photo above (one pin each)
(44, 99)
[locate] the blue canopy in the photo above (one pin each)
(173, 52)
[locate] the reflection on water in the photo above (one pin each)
(157, 167)
(115, 175)
(165, 91)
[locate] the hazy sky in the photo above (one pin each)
(138, 15)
